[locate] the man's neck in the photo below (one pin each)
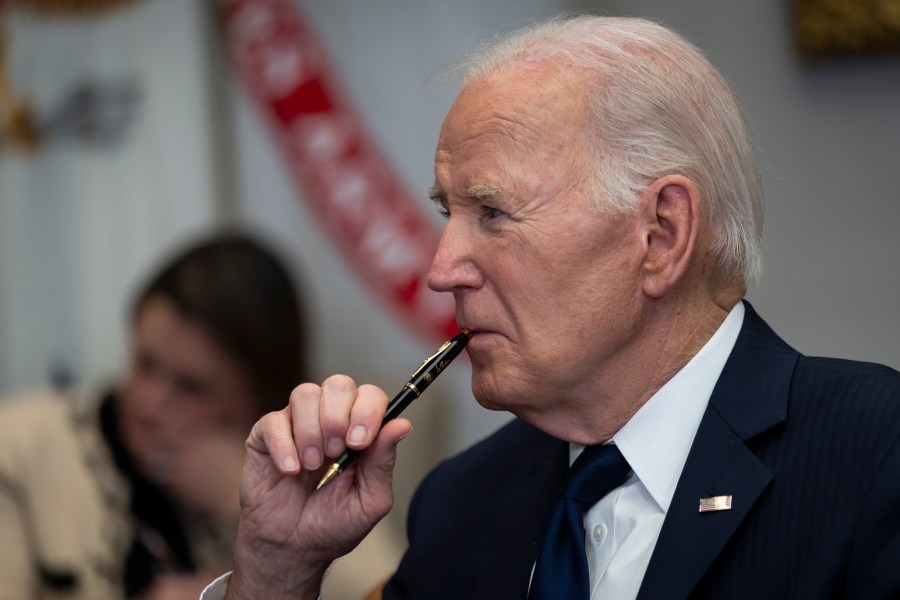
(669, 338)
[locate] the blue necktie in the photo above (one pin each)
(561, 570)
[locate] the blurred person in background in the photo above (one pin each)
(132, 491)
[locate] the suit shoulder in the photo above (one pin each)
(504, 445)
(849, 367)
(849, 398)
(504, 456)
(864, 382)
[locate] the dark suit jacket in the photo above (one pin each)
(809, 449)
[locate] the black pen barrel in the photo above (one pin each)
(433, 366)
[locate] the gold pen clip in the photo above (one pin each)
(427, 360)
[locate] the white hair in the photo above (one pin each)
(658, 108)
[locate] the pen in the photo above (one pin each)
(433, 366)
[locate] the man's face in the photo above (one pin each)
(547, 283)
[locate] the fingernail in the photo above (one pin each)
(357, 435)
(334, 446)
(312, 458)
(289, 464)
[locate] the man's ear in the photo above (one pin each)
(670, 217)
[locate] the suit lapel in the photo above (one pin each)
(749, 398)
(719, 464)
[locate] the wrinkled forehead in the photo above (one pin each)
(513, 136)
(539, 107)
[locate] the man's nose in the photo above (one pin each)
(453, 266)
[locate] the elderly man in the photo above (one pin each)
(604, 217)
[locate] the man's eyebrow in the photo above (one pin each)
(477, 191)
(483, 191)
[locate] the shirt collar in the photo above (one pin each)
(657, 439)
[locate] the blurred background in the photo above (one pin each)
(131, 127)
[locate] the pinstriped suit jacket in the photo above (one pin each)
(809, 448)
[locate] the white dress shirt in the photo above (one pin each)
(622, 528)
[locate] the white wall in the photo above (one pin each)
(81, 221)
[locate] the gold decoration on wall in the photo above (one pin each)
(17, 122)
(846, 26)
(15, 116)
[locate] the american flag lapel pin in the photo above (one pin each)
(715, 503)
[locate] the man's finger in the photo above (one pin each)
(376, 464)
(304, 407)
(273, 435)
(366, 416)
(338, 396)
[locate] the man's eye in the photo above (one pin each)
(443, 211)
(492, 213)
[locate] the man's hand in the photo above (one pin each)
(290, 533)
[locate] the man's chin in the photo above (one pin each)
(489, 397)
(496, 406)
